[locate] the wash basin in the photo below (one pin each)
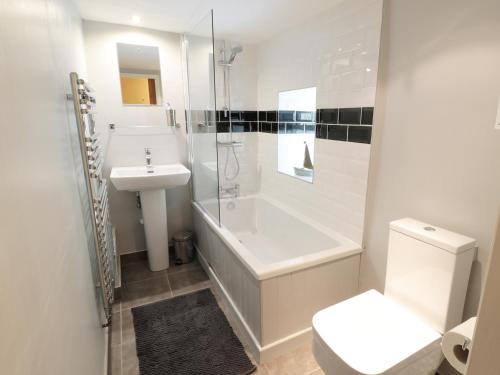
(157, 177)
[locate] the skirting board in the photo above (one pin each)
(260, 354)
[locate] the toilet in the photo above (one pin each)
(400, 331)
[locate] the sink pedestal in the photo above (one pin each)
(154, 213)
(151, 182)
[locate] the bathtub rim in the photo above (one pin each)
(262, 271)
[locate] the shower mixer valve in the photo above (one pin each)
(231, 191)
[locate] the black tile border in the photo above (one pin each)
(352, 124)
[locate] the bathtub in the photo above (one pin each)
(274, 268)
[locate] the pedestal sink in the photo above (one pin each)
(151, 182)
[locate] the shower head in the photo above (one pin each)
(234, 51)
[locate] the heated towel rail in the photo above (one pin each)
(97, 191)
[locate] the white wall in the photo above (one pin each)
(435, 153)
(49, 319)
(126, 147)
(329, 53)
(484, 355)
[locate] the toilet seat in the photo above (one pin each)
(370, 334)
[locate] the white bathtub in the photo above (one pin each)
(275, 268)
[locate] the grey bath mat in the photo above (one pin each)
(188, 335)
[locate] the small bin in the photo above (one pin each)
(184, 251)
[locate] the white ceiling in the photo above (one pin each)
(249, 21)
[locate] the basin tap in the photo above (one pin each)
(149, 166)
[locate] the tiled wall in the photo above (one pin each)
(338, 54)
(243, 121)
(345, 124)
(248, 176)
(339, 124)
(336, 198)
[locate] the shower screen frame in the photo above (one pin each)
(201, 115)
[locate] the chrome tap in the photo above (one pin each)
(231, 191)
(149, 166)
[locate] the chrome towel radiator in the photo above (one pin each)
(90, 148)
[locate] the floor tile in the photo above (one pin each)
(128, 331)
(175, 268)
(130, 362)
(116, 307)
(145, 291)
(179, 280)
(298, 362)
(188, 281)
(116, 360)
(138, 271)
(138, 256)
(318, 371)
(116, 329)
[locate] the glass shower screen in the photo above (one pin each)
(201, 115)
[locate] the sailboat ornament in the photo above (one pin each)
(307, 166)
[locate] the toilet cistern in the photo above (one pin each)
(399, 332)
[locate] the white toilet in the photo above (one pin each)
(400, 331)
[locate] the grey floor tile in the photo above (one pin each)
(147, 300)
(145, 291)
(116, 307)
(188, 281)
(139, 256)
(138, 271)
(318, 371)
(130, 362)
(128, 331)
(298, 362)
(175, 268)
(116, 360)
(116, 329)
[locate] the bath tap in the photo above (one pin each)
(231, 191)
(149, 166)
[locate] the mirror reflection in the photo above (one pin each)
(296, 133)
(140, 76)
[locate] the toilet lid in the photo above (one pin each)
(371, 333)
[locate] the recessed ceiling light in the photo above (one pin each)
(368, 69)
(136, 19)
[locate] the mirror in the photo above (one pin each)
(140, 76)
(296, 133)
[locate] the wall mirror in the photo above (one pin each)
(140, 76)
(296, 133)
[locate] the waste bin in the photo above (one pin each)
(184, 251)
